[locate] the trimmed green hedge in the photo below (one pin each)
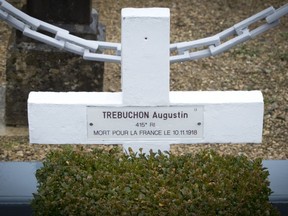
(111, 183)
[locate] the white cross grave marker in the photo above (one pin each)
(146, 114)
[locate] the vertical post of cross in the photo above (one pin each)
(145, 63)
(145, 56)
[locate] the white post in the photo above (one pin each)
(145, 56)
(145, 63)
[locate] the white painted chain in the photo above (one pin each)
(88, 48)
(240, 31)
(31, 27)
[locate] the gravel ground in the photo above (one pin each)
(260, 64)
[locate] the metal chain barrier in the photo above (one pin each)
(240, 32)
(91, 50)
(31, 27)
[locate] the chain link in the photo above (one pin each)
(91, 50)
(239, 30)
(31, 27)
